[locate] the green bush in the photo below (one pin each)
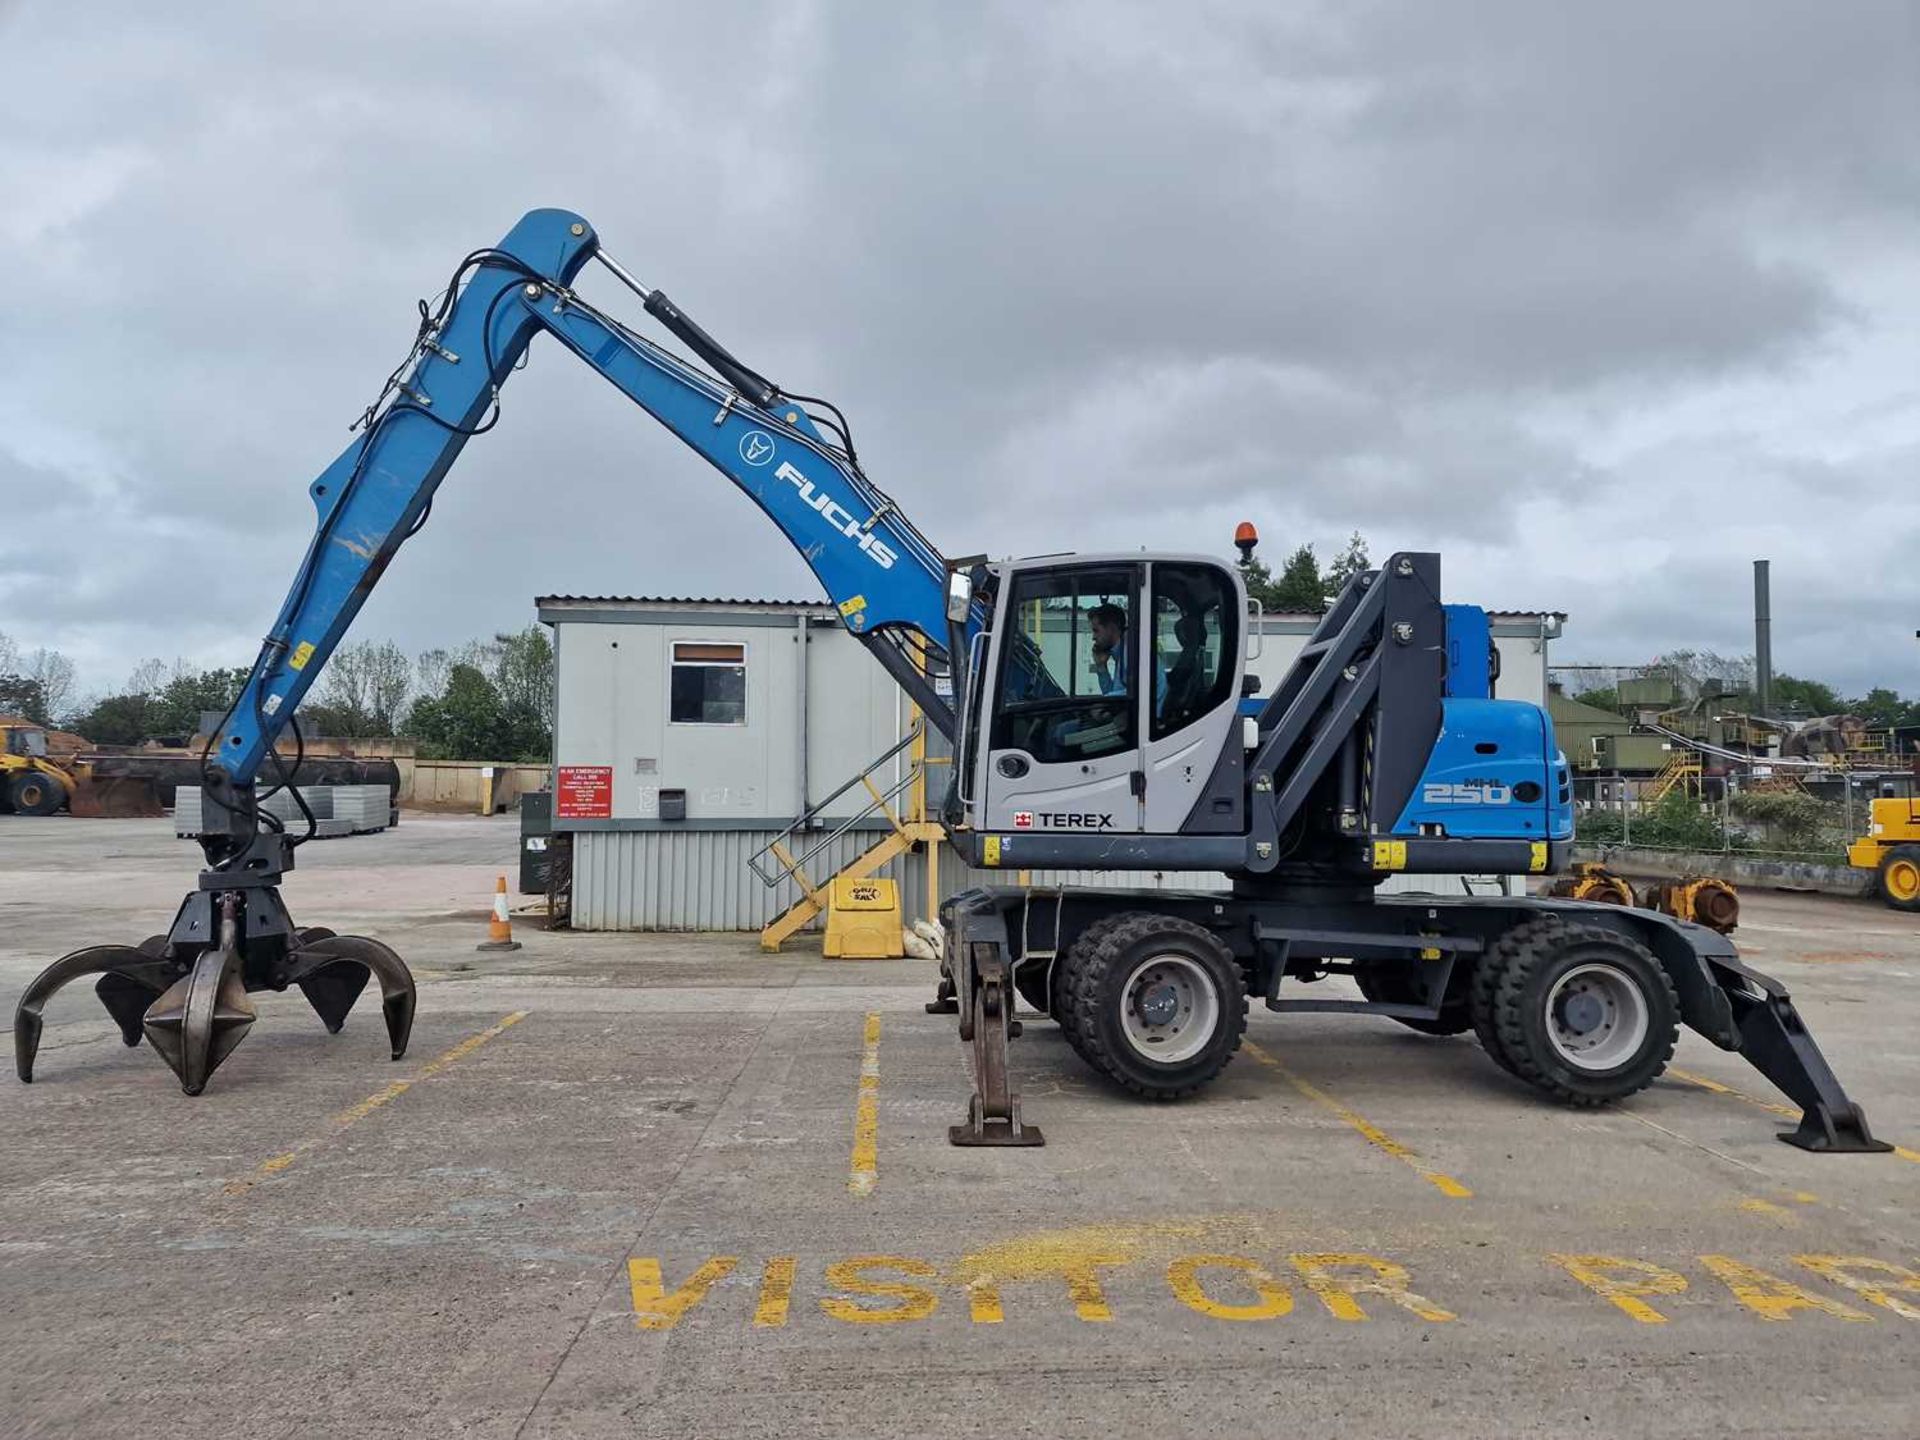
(1678, 822)
(1793, 820)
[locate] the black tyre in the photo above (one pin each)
(1155, 1002)
(1900, 877)
(36, 793)
(1078, 955)
(1585, 1013)
(1393, 985)
(1486, 979)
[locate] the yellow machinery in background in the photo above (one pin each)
(1891, 849)
(863, 920)
(31, 783)
(1591, 881)
(1703, 899)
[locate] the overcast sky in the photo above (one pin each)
(1602, 301)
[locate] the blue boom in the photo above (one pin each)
(887, 581)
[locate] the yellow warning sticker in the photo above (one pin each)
(302, 653)
(858, 602)
(1389, 854)
(990, 850)
(1537, 862)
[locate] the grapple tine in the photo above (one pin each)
(320, 969)
(332, 989)
(127, 1001)
(200, 1019)
(94, 960)
(204, 1014)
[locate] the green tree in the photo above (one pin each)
(1348, 563)
(363, 691)
(523, 674)
(189, 694)
(37, 685)
(116, 720)
(1604, 698)
(1301, 586)
(158, 704)
(1259, 581)
(1882, 708)
(1810, 696)
(23, 696)
(464, 722)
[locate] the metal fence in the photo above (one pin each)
(1719, 813)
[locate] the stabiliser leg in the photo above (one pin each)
(944, 1001)
(993, 1110)
(187, 992)
(1774, 1040)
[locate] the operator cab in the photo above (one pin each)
(1101, 727)
(1101, 695)
(28, 740)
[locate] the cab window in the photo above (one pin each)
(1068, 664)
(1196, 636)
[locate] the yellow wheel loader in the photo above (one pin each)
(1891, 848)
(31, 783)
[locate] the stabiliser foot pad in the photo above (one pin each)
(1831, 1132)
(980, 1131)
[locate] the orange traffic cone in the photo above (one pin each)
(499, 927)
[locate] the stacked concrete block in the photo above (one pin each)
(365, 807)
(337, 809)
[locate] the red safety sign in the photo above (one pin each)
(585, 792)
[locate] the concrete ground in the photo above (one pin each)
(667, 1186)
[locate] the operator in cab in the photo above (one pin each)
(1108, 626)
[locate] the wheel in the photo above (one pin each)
(1394, 985)
(1155, 1002)
(1900, 877)
(1486, 979)
(1582, 1012)
(34, 792)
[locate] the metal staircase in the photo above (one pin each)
(1682, 770)
(901, 805)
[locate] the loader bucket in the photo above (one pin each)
(119, 799)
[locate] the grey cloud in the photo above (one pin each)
(1083, 274)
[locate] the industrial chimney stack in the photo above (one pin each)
(1762, 639)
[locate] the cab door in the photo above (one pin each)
(1063, 736)
(1195, 611)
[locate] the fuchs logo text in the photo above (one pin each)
(835, 515)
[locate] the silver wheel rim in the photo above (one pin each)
(1597, 1017)
(1169, 1008)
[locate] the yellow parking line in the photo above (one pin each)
(1787, 1110)
(865, 1172)
(1375, 1136)
(360, 1110)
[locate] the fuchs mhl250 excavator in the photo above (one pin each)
(1102, 718)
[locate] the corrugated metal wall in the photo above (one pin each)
(699, 880)
(684, 879)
